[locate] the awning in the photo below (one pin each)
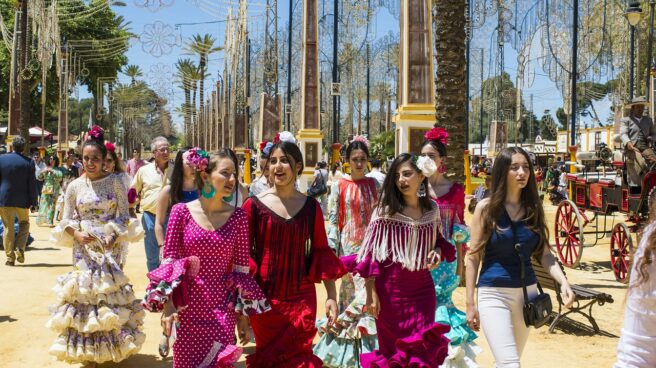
(35, 134)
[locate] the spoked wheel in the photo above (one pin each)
(569, 234)
(621, 247)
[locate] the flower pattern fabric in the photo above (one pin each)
(52, 180)
(96, 315)
(349, 211)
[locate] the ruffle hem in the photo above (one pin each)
(425, 349)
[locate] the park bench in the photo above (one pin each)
(585, 298)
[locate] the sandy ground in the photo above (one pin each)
(26, 294)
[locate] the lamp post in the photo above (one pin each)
(652, 3)
(632, 14)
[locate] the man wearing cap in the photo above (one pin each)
(637, 134)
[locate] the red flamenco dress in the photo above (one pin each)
(291, 256)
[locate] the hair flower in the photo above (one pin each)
(96, 133)
(196, 158)
(284, 137)
(110, 146)
(426, 165)
(437, 134)
(361, 138)
(265, 148)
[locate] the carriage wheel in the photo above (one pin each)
(621, 247)
(569, 237)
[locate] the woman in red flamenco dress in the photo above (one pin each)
(290, 250)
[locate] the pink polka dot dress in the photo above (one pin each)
(205, 273)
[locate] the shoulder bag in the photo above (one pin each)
(318, 187)
(537, 310)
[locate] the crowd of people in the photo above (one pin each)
(223, 257)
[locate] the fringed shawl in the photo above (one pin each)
(401, 239)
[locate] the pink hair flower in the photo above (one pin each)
(361, 138)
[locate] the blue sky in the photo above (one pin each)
(187, 17)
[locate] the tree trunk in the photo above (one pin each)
(202, 83)
(25, 93)
(187, 116)
(194, 119)
(450, 87)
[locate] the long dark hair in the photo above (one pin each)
(291, 152)
(530, 201)
(391, 200)
(177, 176)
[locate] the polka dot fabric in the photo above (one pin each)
(206, 334)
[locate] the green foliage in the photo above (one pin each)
(382, 145)
(102, 25)
(507, 108)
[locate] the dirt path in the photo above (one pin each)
(26, 294)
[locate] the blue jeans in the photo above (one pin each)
(150, 242)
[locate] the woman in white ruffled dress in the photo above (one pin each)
(96, 315)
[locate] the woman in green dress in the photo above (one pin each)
(52, 179)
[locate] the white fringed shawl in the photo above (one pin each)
(401, 239)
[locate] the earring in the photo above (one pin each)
(422, 190)
(442, 168)
(209, 193)
(229, 198)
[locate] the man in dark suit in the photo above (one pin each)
(17, 195)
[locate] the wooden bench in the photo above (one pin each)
(585, 298)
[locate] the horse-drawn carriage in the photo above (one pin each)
(599, 194)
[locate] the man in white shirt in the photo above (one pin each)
(376, 173)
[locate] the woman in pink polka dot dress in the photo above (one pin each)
(203, 285)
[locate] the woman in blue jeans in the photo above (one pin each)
(513, 206)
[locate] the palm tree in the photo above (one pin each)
(450, 87)
(186, 71)
(133, 71)
(203, 46)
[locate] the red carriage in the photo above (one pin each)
(596, 195)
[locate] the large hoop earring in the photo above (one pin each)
(209, 193)
(421, 192)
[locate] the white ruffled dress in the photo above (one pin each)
(96, 315)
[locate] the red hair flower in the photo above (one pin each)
(110, 146)
(437, 134)
(263, 145)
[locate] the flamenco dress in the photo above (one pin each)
(96, 315)
(291, 255)
(205, 275)
(395, 252)
(354, 332)
(462, 349)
